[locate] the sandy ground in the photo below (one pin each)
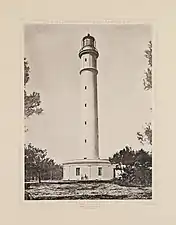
(49, 191)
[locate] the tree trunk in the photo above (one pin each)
(114, 173)
(51, 175)
(32, 175)
(39, 177)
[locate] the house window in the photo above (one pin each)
(85, 87)
(77, 171)
(99, 171)
(85, 104)
(85, 140)
(85, 122)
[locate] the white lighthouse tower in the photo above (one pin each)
(89, 101)
(91, 166)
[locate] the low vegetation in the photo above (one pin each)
(84, 190)
(134, 167)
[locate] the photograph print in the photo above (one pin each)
(87, 111)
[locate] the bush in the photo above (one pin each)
(135, 177)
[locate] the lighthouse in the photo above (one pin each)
(89, 101)
(91, 166)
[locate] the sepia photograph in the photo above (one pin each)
(88, 111)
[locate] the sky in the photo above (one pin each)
(123, 105)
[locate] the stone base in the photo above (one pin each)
(88, 169)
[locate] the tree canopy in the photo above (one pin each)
(128, 156)
(148, 73)
(145, 137)
(37, 164)
(135, 166)
(31, 101)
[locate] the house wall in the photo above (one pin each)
(90, 170)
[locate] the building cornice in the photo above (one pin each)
(87, 161)
(90, 69)
(89, 50)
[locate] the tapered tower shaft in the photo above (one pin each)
(89, 101)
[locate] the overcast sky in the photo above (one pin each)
(124, 106)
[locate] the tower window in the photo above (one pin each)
(85, 140)
(99, 171)
(85, 104)
(85, 122)
(85, 59)
(77, 171)
(85, 87)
